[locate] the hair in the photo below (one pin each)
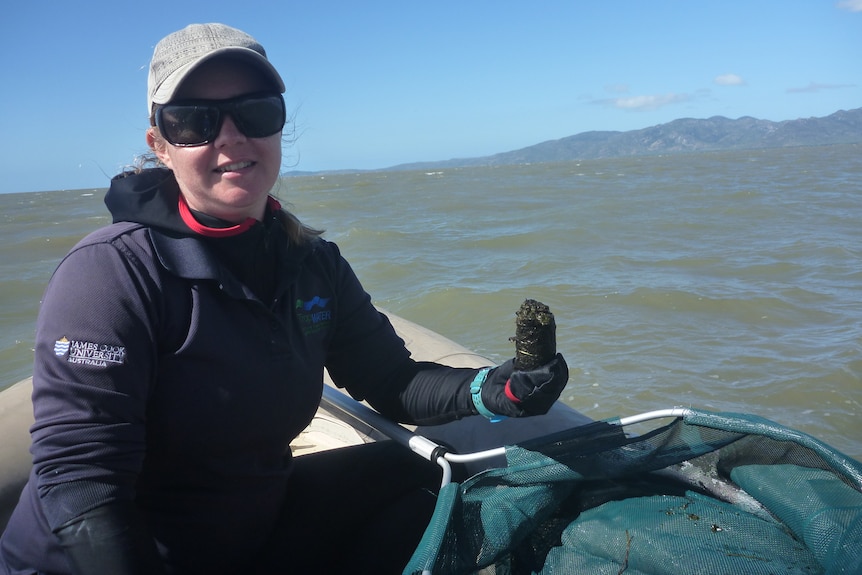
(297, 232)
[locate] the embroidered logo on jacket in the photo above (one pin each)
(89, 353)
(313, 314)
(316, 301)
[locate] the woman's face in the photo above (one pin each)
(230, 177)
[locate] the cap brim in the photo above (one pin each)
(166, 91)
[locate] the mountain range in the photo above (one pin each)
(678, 136)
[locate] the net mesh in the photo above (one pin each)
(708, 493)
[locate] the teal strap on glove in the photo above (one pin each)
(476, 394)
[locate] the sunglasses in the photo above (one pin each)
(190, 123)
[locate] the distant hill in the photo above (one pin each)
(679, 136)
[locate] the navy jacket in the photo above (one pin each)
(162, 378)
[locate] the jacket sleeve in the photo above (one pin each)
(95, 358)
(110, 540)
(425, 393)
(371, 361)
(363, 350)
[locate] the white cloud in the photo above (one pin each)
(851, 5)
(730, 79)
(647, 102)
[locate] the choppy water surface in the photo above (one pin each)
(726, 281)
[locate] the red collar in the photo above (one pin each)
(197, 227)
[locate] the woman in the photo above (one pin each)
(182, 348)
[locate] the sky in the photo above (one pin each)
(375, 84)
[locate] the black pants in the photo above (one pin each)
(358, 509)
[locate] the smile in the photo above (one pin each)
(234, 167)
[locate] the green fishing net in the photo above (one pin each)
(707, 493)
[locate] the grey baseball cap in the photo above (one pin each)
(178, 54)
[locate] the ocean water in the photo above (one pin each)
(728, 281)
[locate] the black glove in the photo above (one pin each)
(521, 393)
(110, 540)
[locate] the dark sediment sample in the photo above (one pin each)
(535, 335)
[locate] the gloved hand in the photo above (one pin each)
(521, 393)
